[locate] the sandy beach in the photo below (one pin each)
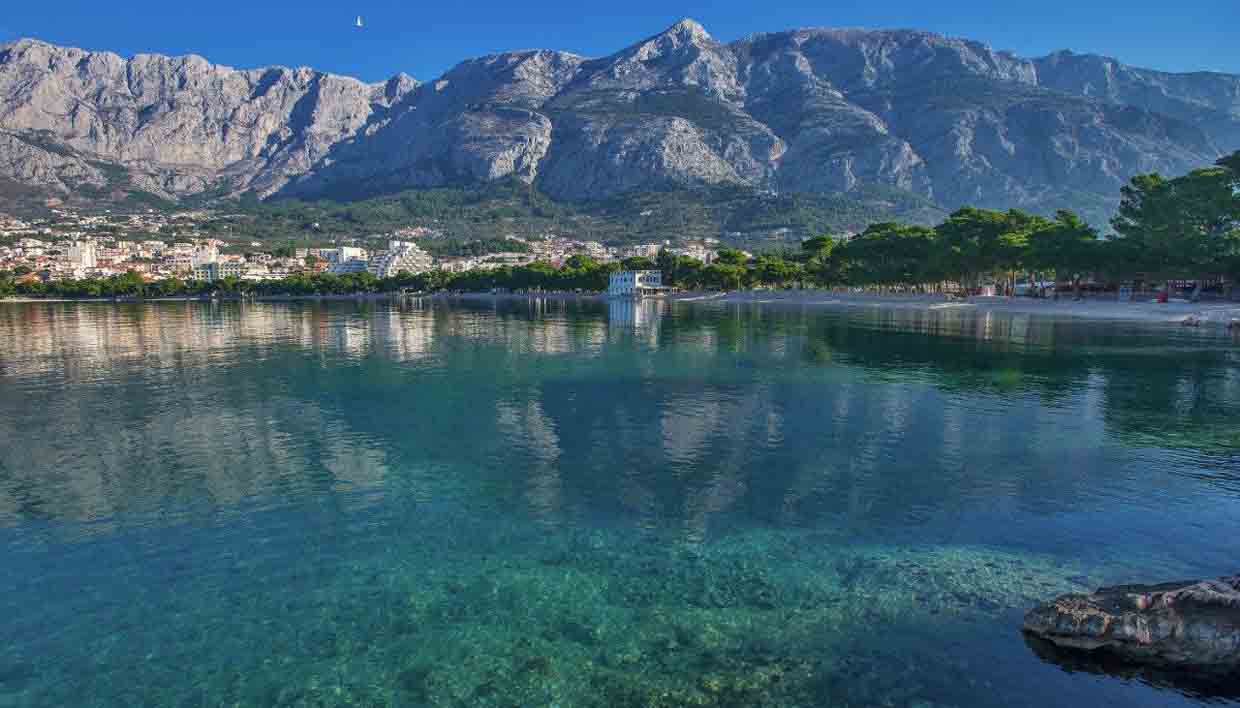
(1215, 313)
(1143, 310)
(1218, 314)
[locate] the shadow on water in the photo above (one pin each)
(1207, 686)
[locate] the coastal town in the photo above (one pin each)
(158, 245)
(1190, 256)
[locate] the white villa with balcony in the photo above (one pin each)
(635, 283)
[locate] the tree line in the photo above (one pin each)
(1186, 227)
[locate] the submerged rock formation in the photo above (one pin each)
(1189, 625)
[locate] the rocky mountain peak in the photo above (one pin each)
(394, 88)
(688, 30)
(25, 44)
(809, 110)
(683, 55)
(1210, 101)
(684, 38)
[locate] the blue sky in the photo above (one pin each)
(424, 39)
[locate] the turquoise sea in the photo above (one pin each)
(554, 503)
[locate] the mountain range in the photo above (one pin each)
(828, 111)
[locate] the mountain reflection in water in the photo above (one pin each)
(794, 488)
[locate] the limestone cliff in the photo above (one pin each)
(811, 110)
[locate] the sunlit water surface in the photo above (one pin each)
(571, 504)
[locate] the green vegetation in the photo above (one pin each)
(1186, 227)
(457, 248)
(126, 285)
(22, 200)
(504, 209)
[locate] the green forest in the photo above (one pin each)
(1185, 227)
(510, 208)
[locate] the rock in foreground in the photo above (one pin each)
(1189, 625)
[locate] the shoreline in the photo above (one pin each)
(1215, 313)
(1210, 313)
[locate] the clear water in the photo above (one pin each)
(563, 504)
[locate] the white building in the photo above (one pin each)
(218, 270)
(644, 250)
(349, 252)
(401, 256)
(154, 248)
(598, 251)
(203, 255)
(261, 274)
(341, 254)
(635, 283)
(83, 255)
(458, 265)
(352, 265)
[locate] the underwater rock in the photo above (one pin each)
(1190, 625)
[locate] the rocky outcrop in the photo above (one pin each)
(25, 160)
(810, 110)
(157, 114)
(950, 119)
(1191, 625)
(1207, 99)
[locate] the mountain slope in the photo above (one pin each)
(180, 123)
(813, 111)
(1209, 100)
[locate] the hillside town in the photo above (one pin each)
(157, 246)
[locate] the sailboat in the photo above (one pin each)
(358, 24)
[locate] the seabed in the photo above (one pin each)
(530, 616)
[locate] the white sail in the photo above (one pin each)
(359, 21)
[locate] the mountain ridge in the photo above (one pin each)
(814, 110)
